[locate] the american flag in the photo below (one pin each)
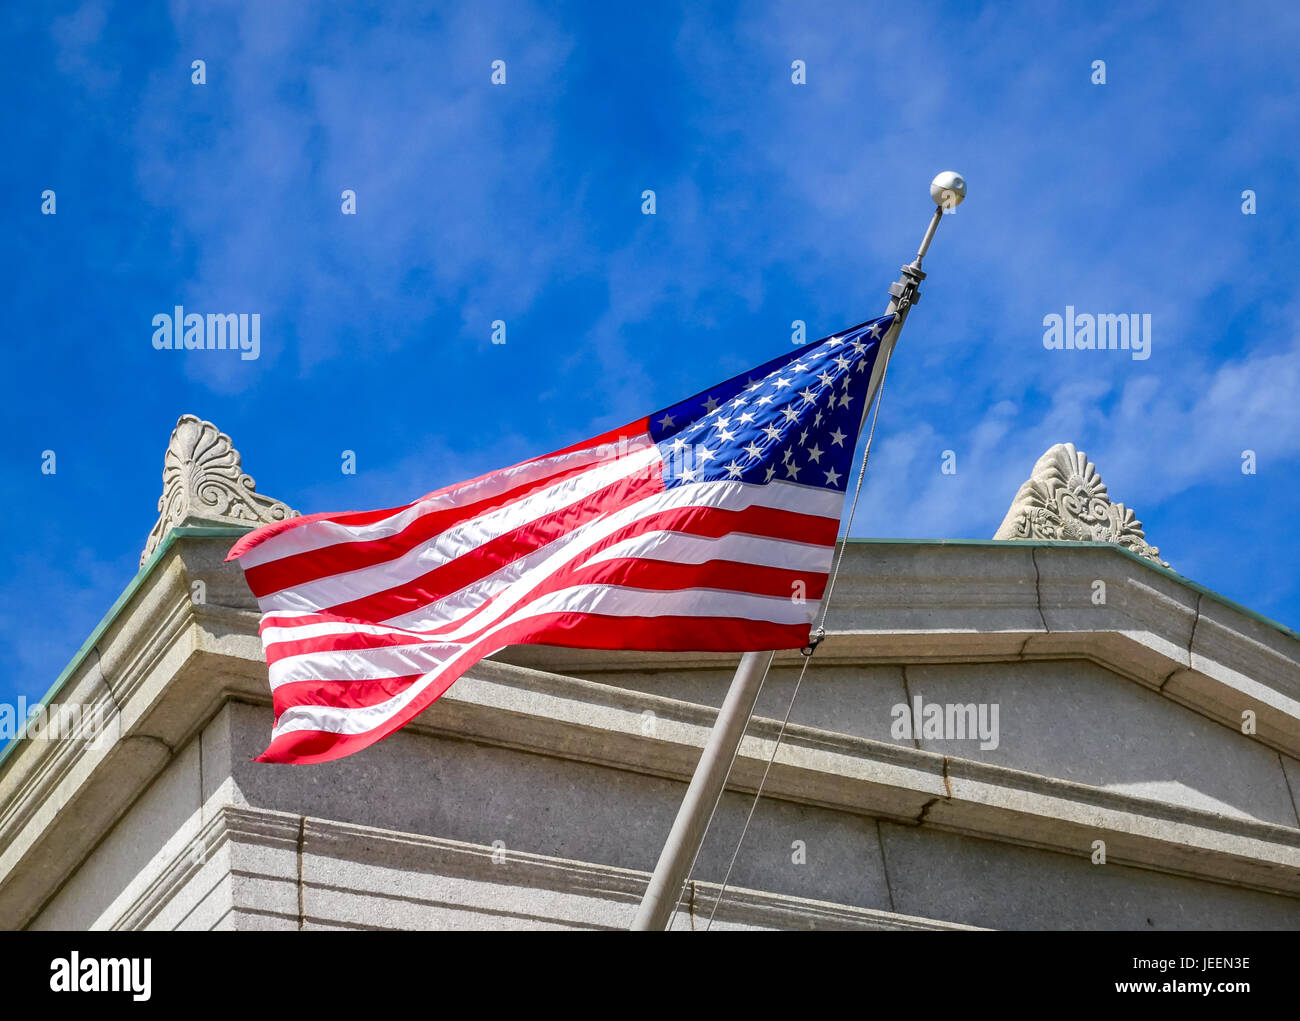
(708, 525)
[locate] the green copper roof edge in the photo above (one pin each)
(1223, 600)
(181, 532)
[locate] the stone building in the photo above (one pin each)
(1102, 744)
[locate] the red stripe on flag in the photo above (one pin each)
(728, 575)
(341, 694)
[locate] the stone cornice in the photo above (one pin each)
(167, 664)
(920, 602)
(870, 777)
(458, 860)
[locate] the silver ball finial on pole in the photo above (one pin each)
(948, 190)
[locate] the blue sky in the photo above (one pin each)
(522, 202)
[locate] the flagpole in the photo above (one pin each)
(687, 833)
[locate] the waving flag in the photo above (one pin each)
(708, 525)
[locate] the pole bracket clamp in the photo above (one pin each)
(906, 290)
(814, 640)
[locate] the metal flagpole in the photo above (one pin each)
(687, 834)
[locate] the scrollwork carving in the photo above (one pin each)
(204, 483)
(1065, 500)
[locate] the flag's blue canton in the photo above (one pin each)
(794, 419)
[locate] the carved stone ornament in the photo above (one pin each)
(204, 484)
(1065, 500)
